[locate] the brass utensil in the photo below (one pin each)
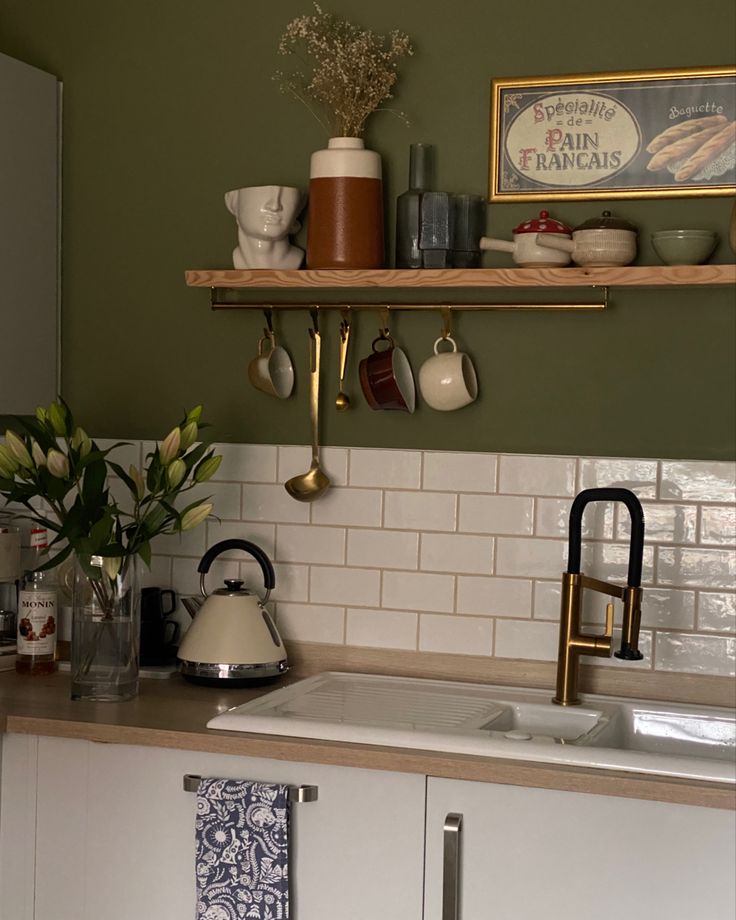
(309, 486)
(342, 401)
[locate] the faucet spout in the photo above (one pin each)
(573, 642)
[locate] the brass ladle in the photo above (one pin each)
(342, 401)
(309, 486)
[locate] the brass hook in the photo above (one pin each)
(384, 328)
(314, 313)
(446, 321)
(268, 315)
(345, 322)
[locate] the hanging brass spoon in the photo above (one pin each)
(309, 486)
(342, 401)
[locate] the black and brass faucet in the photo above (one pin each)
(573, 642)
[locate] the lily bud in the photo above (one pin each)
(169, 447)
(188, 435)
(194, 415)
(39, 457)
(140, 486)
(57, 417)
(8, 459)
(5, 471)
(57, 463)
(18, 449)
(111, 566)
(195, 516)
(41, 414)
(207, 469)
(81, 442)
(175, 472)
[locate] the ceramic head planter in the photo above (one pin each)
(266, 216)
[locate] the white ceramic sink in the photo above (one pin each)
(604, 732)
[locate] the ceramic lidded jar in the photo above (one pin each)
(345, 228)
(599, 242)
(528, 249)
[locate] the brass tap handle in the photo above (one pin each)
(608, 634)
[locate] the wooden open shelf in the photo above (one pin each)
(644, 276)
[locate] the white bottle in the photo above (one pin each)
(37, 614)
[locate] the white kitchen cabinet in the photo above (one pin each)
(115, 835)
(29, 236)
(541, 854)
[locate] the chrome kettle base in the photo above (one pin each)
(231, 675)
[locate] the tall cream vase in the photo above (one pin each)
(345, 229)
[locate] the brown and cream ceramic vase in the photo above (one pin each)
(345, 207)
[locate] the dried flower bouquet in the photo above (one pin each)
(348, 72)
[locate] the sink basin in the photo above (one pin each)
(493, 721)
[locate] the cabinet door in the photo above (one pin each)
(539, 854)
(17, 826)
(29, 247)
(116, 835)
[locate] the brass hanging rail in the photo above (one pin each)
(217, 304)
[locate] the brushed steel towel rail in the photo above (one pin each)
(296, 793)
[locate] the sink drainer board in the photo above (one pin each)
(521, 724)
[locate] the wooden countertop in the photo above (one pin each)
(172, 714)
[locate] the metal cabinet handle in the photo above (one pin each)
(451, 867)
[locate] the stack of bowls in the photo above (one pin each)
(684, 247)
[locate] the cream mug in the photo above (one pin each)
(447, 379)
(271, 371)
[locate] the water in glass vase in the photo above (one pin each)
(105, 632)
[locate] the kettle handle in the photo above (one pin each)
(269, 578)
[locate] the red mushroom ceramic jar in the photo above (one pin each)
(527, 248)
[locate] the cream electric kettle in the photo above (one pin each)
(232, 639)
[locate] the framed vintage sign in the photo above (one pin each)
(664, 133)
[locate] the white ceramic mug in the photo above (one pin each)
(272, 371)
(447, 379)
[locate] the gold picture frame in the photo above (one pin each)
(631, 134)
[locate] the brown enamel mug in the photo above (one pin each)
(386, 378)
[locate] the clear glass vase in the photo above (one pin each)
(105, 631)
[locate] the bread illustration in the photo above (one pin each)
(683, 129)
(705, 155)
(681, 149)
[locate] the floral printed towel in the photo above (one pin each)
(242, 837)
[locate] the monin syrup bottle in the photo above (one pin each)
(37, 614)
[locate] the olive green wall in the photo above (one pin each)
(170, 103)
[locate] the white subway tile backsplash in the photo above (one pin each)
(440, 552)
(343, 585)
(530, 558)
(386, 469)
(638, 475)
(696, 654)
(698, 481)
(523, 475)
(455, 634)
(526, 639)
(502, 597)
(645, 647)
(418, 591)
(663, 523)
(348, 507)
(498, 514)
(553, 519)
(294, 460)
(458, 472)
(272, 503)
(420, 511)
(718, 525)
(717, 612)
(384, 549)
(246, 463)
(705, 568)
(263, 535)
(463, 552)
(306, 543)
(382, 628)
(311, 623)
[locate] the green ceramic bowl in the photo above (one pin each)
(684, 247)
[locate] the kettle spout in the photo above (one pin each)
(192, 604)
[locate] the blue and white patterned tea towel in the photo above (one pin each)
(242, 837)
